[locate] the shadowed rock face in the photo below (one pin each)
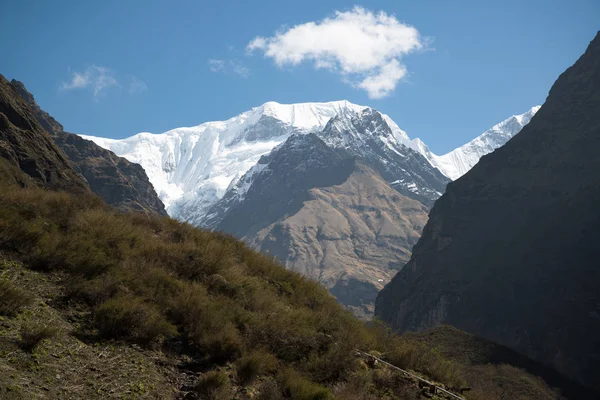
(117, 181)
(511, 249)
(28, 150)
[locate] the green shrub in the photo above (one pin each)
(254, 364)
(334, 364)
(127, 317)
(298, 387)
(94, 291)
(411, 355)
(213, 385)
(12, 298)
(222, 345)
(35, 332)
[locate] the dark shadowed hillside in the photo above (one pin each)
(511, 250)
(28, 150)
(117, 181)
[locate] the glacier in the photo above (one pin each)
(192, 168)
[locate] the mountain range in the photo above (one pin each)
(192, 168)
(508, 253)
(334, 190)
(115, 300)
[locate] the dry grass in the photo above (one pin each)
(12, 298)
(34, 333)
(65, 367)
(186, 294)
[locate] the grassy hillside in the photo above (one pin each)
(99, 304)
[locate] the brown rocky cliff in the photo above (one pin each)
(511, 250)
(27, 150)
(352, 237)
(117, 181)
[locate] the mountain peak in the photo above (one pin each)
(457, 162)
(192, 168)
(306, 115)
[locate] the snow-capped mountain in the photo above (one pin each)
(457, 162)
(351, 133)
(191, 168)
(328, 214)
(367, 134)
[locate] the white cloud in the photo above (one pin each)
(364, 47)
(77, 81)
(216, 65)
(94, 78)
(234, 65)
(239, 68)
(137, 86)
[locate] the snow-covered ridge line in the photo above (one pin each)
(191, 168)
(457, 162)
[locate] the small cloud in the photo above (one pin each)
(234, 65)
(78, 81)
(137, 86)
(239, 68)
(365, 48)
(95, 78)
(216, 65)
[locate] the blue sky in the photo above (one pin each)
(115, 68)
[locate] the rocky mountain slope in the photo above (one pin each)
(368, 135)
(119, 182)
(510, 251)
(326, 214)
(241, 176)
(28, 153)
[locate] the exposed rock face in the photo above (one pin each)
(28, 149)
(368, 135)
(301, 163)
(511, 249)
(117, 181)
(326, 215)
(352, 237)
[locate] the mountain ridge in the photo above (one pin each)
(30, 155)
(457, 162)
(510, 250)
(191, 168)
(119, 182)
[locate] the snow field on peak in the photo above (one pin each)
(457, 162)
(191, 168)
